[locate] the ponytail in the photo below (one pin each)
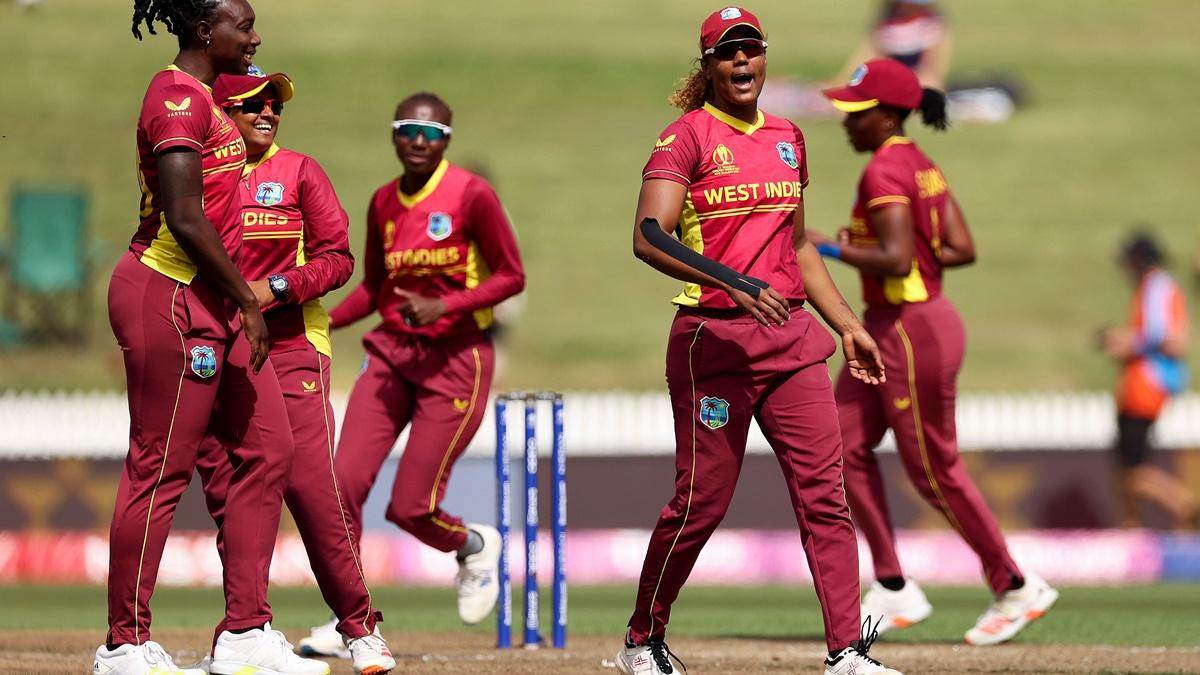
(694, 91)
(933, 109)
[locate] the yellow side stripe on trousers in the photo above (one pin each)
(454, 441)
(137, 588)
(920, 429)
(691, 479)
(337, 492)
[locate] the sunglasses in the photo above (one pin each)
(255, 106)
(728, 50)
(410, 129)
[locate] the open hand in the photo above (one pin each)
(862, 356)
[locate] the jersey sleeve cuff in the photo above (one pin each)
(666, 174)
(888, 199)
(177, 142)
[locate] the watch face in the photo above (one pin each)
(279, 284)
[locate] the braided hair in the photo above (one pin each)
(179, 16)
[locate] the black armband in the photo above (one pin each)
(675, 248)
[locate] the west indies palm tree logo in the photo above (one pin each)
(714, 412)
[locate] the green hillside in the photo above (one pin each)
(561, 101)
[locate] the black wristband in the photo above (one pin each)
(675, 248)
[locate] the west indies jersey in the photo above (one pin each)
(294, 225)
(178, 111)
(451, 240)
(744, 184)
(899, 173)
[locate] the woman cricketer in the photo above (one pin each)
(905, 229)
(440, 254)
(728, 179)
(193, 340)
(295, 249)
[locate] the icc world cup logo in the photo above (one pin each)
(722, 156)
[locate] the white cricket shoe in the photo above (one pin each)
(324, 640)
(853, 660)
(148, 658)
(261, 651)
(896, 609)
(652, 658)
(1012, 612)
(371, 654)
(478, 587)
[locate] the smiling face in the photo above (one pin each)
(736, 69)
(421, 156)
(231, 38)
(258, 128)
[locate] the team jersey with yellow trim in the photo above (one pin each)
(294, 225)
(744, 184)
(899, 173)
(450, 240)
(178, 112)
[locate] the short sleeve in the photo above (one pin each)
(675, 156)
(884, 184)
(175, 115)
(801, 156)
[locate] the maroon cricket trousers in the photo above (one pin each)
(184, 356)
(922, 346)
(312, 494)
(723, 369)
(439, 389)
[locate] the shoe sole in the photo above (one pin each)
(238, 668)
(621, 665)
(1045, 601)
(375, 670)
(906, 620)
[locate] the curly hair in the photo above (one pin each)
(694, 90)
(179, 16)
(430, 98)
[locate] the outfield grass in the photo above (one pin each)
(561, 101)
(1148, 616)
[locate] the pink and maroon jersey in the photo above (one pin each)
(745, 182)
(294, 225)
(899, 173)
(450, 240)
(178, 111)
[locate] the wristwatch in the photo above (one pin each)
(279, 287)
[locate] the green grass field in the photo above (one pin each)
(1145, 616)
(561, 102)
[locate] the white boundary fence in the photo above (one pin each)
(96, 424)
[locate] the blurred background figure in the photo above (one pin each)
(1150, 350)
(917, 34)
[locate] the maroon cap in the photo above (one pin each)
(233, 88)
(722, 21)
(885, 81)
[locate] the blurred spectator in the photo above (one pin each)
(1150, 350)
(917, 34)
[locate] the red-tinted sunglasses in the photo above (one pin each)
(728, 50)
(255, 106)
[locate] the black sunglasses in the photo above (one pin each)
(728, 50)
(255, 106)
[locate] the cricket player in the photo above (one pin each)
(905, 229)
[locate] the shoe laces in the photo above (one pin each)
(867, 635)
(371, 642)
(662, 655)
(279, 638)
(155, 655)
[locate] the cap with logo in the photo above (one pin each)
(720, 22)
(234, 88)
(878, 81)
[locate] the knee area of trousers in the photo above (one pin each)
(406, 518)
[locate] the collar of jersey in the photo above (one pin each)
(409, 201)
(895, 140)
(734, 122)
(261, 160)
(180, 70)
